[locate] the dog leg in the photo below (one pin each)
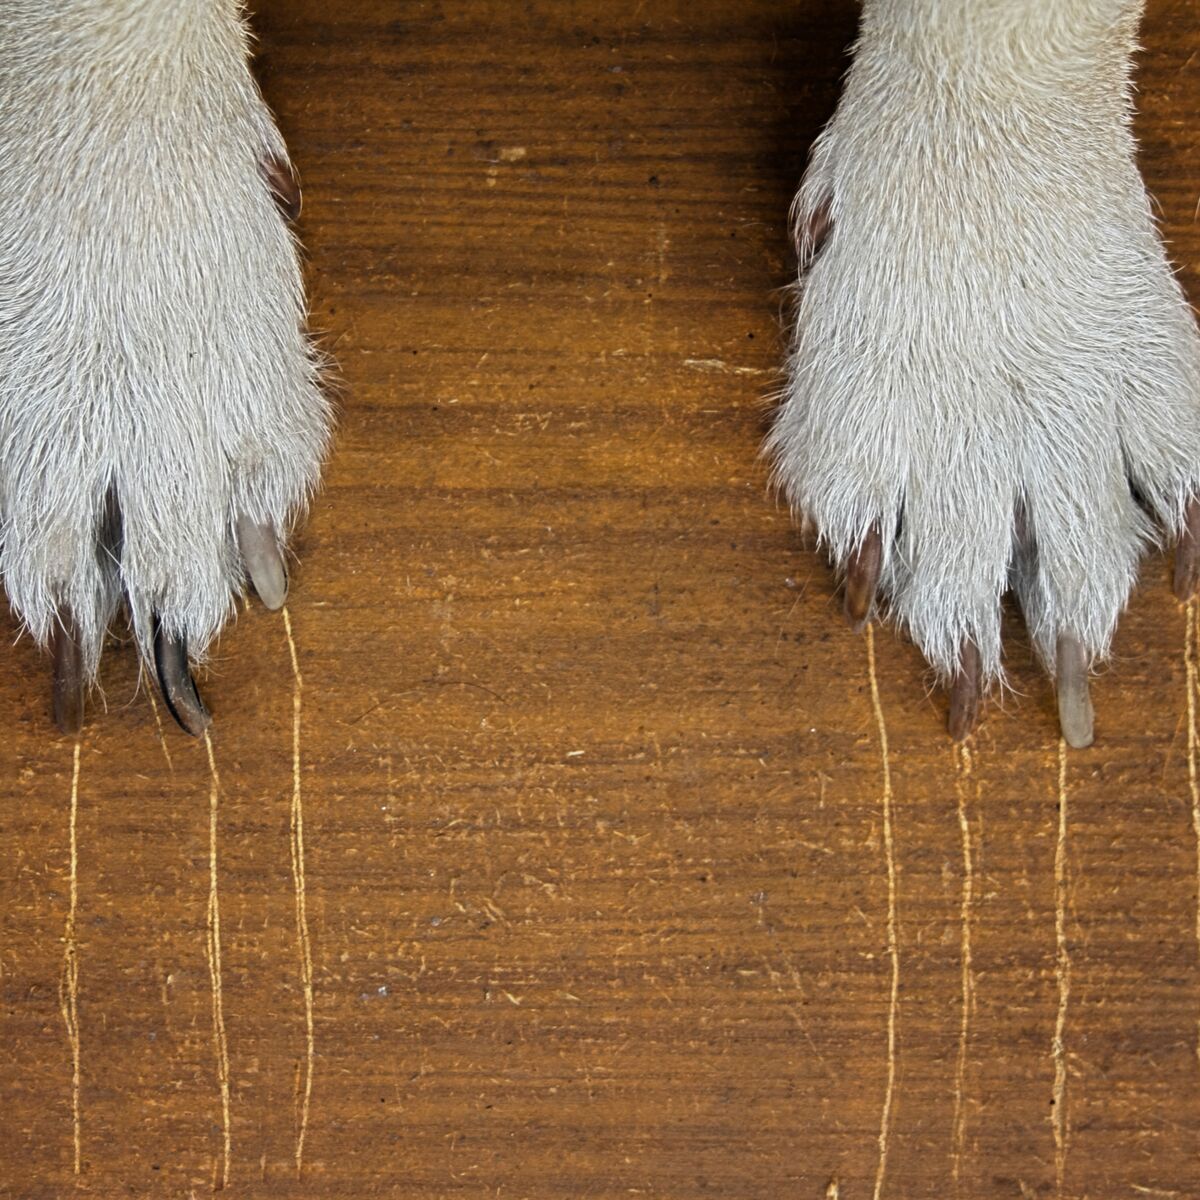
(161, 417)
(995, 377)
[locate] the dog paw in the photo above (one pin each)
(161, 417)
(995, 377)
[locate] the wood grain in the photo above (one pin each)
(548, 842)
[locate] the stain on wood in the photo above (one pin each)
(583, 868)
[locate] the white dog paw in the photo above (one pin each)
(161, 417)
(995, 377)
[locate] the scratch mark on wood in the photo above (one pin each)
(304, 942)
(1062, 971)
(965, 776)
(721, 367)
(68, 990)
(885, 1122)
(1191, 638)
(162, 737)
(213, 949)
(796, 1011)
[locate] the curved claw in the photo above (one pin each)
(1075, 714)
(812, 232)
(69, 683)
(277, 172)
(264, 563)
(1187, 554)
(176, 682)
(966, 693)
(863, 569)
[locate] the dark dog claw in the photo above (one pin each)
(863, 568)
(69, 684)
(1187, 553)
(812, 232)
(284, 188)
(264, 563)
(966, 693)
(176, 682)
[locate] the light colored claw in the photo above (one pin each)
(863, 569)
(260, 552)
(1075, 714)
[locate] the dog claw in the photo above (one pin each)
(812, 232)
(176, 682)
(282, 182)
(1187, 553)
(264, 562)
(1075, 714)
(69, 683)
(863, 569)
(966, 693)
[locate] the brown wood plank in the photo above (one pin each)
(595, 861)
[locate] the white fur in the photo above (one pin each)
(151, 315)
(992, 324)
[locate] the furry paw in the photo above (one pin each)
(161, 418)
(995, 377)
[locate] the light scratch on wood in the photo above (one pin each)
(1191, 638)
(302, 934)
(68, 989)
(162, 737)
(1062, 971)
(213, 948)
(885, 1123)
(965, 772)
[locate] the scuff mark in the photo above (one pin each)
(720, 367)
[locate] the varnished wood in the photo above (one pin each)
(595, 819)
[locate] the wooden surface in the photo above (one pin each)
(599, 847)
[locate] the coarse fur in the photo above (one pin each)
(992, 360)
(152, 342)
(993, 364)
